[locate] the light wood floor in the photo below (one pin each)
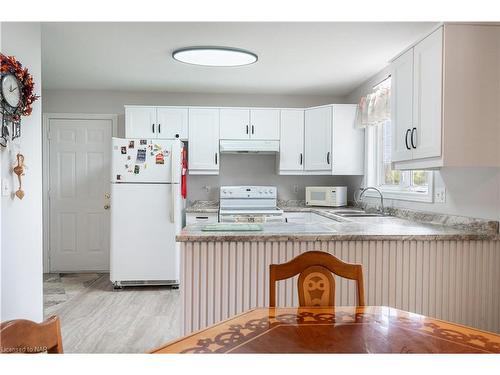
(132, 320)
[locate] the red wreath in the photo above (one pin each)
(9, 64)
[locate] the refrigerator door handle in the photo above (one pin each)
(172, 205)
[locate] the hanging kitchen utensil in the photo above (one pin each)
(19, 170)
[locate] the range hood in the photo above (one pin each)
(249, 146)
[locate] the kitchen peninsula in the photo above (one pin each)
(448, 272)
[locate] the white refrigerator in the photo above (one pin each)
(146, 212)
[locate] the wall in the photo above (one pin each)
(21, 242)
(470, 191)
(259, 169)
(82, 101)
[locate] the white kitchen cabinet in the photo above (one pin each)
(172, 123)
(265, 124)
(416, 117)
(234, 123)
(348, 142)
(244, 123)
(427, 96)
(156, 122)
(291, 157)
(203, 149)
(402, 106)
(202, 218)
(455, 98)
(318, 140)
(140, 122)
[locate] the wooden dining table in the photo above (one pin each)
(367, 329)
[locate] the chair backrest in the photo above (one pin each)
(316, 283)
(26, 336)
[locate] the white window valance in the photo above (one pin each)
(374, 108)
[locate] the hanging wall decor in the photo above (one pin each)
(19, 171)
(16, 96)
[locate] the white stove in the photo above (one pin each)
(249, 204)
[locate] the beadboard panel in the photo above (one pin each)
(457, 281)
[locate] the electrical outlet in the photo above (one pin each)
(295, 188)
(5, 187)
(440, 195)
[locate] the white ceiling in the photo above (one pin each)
(294, 58)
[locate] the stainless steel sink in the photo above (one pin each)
(361, 214)
(355, 213)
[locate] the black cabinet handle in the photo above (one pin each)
(328, 157)
(413, 131)
(247, 129)
(252, 129)
(301, 158)
(153, 128)
(406, 138)
(159, 128)
(215, 158)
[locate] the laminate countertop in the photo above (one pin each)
(367, 228)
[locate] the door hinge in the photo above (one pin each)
(49, 135)
(49, 194)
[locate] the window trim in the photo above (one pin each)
(374, 152)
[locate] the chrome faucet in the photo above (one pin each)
(363, 191)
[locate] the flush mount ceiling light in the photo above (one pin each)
(214, 56)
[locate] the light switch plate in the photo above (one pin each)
(440, 195)
(5, 187)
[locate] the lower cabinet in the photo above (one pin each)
(201, 218)
(203, 146)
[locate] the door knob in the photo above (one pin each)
(106, 206)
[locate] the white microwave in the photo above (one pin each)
(330, 196)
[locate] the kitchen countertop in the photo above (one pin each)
(342, 228)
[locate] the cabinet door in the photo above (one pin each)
(140, 122)
(234, 123)
(172, 123)
(348, 141)
(427, 96)
(265, 124)
(292, 140)
(402, 106)
(203, 143)
(318, 139)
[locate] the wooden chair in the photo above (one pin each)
(316, 283)
(25, 336)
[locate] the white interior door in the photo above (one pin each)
(79, 164)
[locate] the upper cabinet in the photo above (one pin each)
(203, 150)
(318, 139)
(291, 158)
(402, 106)
(156, 122)
(244, 123)
(172, 122)
(234, 123)
(321, 140)
(416, 100)
(140, 122)
(445, 99)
